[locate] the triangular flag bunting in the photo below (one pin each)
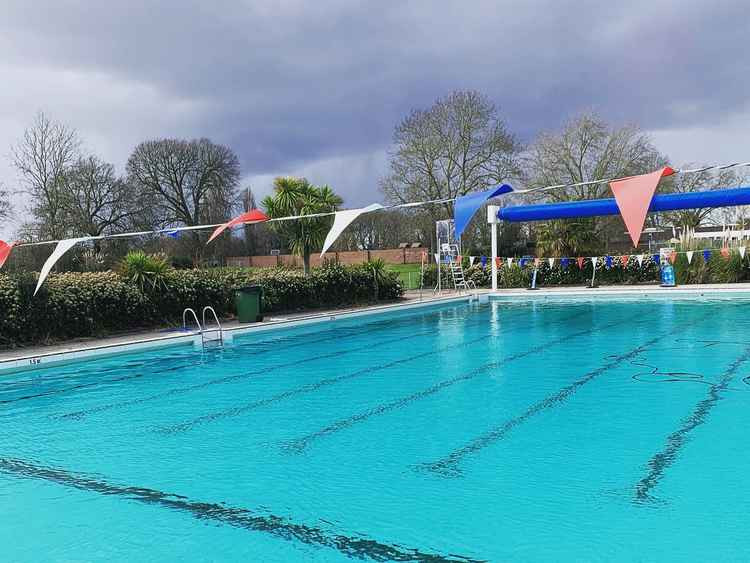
(483, 260)
(706, 255)
(672, 257)
(536, 262)
(740, 249)
(551, 262)
(640, 260)
(471, 260)
(437, 258)
(689, 255)
(5, 249)
(252, 216)
(62, 247)
(633, 196)
(499, 262)
(580, 260)
(725, 252)
(510, 262)
(624, 260)
(341, 220)
(594, 260)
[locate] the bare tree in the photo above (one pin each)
(94, 200)
(589, 149)
(700, 181)
(191, 182)
(586, 149)
(41, 157)
(457, 146)
(5, 207)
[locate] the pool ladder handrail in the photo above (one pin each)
(218, 330)
(195, 317)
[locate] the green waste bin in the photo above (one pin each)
(248, 302)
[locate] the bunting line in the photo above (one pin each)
(167, 230)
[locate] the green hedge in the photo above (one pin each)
(74, 305)
(717, 270)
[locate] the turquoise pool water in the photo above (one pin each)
(537, 431)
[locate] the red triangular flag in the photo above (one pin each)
(725, 252)
(252, 216)
(580, 260)
(499, 262)
(633, 196)
(624, 260)
(672, 257)
(5, 249)
(536, 262)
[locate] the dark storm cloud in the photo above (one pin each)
(318, 86)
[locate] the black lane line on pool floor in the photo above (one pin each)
(266, 347)
(662, 460)
(77, 415)
(300, 444)
(311, 387)
(352, 546)
(448, 465)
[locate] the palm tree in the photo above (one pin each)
(296, 196)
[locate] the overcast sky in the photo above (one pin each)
(315, 88)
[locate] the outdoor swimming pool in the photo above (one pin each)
(578, 430)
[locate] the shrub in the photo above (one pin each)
(90, 304)
(147, 271)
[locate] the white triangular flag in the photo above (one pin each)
(509, 262)
(594, 260)
(551, 262)
(640, 260)
(689, 255)
(341, 220)
(62, 247)
(741, 250)
(437, 258)
(471, 261)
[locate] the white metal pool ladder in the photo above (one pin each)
(218, 331)
(219, 338)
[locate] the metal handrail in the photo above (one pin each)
(216, 318)
(195, 317)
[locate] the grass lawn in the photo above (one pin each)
(409, 274)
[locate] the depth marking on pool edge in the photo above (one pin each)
(448, 465)
(77, 415)
(352, 546)
(675, 441)
(300, 444)
(310, 387)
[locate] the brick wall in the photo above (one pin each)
(390, 256)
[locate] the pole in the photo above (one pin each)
(492, 220)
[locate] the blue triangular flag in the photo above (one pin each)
(483, 260)
(608, 261)
(706, 254)
(656, 259)
(565, 262)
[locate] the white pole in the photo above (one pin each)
(492, 220)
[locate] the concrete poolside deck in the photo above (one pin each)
(20, 358)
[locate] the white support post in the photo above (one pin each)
(492, 220)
